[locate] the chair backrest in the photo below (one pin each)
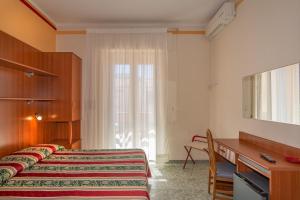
(211, 153)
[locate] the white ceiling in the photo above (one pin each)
(91, 12)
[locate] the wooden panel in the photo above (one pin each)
(285, 185)
(67, 131)
(61, 109)
(18, 128)
(76, 130)
(68, 104)
(24, 68)
(66, 111)
(11, 48)
(76, 88)
(270, 145)
(253, 151)
(76, 145)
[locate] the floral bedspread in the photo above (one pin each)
(83, 174)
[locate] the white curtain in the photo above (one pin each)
(285, 90)
(124, 87)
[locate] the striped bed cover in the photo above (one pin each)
(83, 174)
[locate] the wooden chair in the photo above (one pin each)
(220, 174)
(198, 143)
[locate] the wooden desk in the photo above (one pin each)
(284, 177)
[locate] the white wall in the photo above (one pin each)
(265, 35)
(188, 77)
(188, 85)
(71, 43)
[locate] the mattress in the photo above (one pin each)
(83, 174)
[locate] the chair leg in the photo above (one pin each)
(214, 189)
(209, 181)
(188, 155)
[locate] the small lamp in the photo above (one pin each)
(38, 116)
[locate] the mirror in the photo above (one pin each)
(273, 95)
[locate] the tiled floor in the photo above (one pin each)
(171, 182)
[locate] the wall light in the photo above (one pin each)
(29, 118)
(29, 74)
(38, 116)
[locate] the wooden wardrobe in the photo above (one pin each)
(38, 83)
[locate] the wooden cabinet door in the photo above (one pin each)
(76, 88)
(61, 109)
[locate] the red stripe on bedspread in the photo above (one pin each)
(17, 166)
(98, 153)
(96, 163)
(76, 193)
(81, 175)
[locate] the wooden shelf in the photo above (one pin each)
(25, 99)
(25, 68)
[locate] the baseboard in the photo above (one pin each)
(189, 161)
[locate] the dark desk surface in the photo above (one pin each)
(252, 152)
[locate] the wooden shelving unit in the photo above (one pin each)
(25, 68)
(51, 81)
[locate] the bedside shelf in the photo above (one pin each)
(75, 144)
(25, 68)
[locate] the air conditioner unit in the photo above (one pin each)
(224, 16)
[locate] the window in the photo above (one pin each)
(133, 107)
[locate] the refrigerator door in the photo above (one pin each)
(244, 190)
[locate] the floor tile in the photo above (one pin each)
(170, 182)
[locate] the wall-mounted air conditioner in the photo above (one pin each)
(224, 16)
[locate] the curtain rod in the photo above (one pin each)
(127, 30)
(171, 31)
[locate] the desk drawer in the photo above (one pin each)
(226, 153)
(255, 166)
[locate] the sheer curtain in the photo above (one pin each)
(285, 92)
(277, 95)
(125, 92)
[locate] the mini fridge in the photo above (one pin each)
(250, 186)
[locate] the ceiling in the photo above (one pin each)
(91, 12)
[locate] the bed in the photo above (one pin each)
(78, 174)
